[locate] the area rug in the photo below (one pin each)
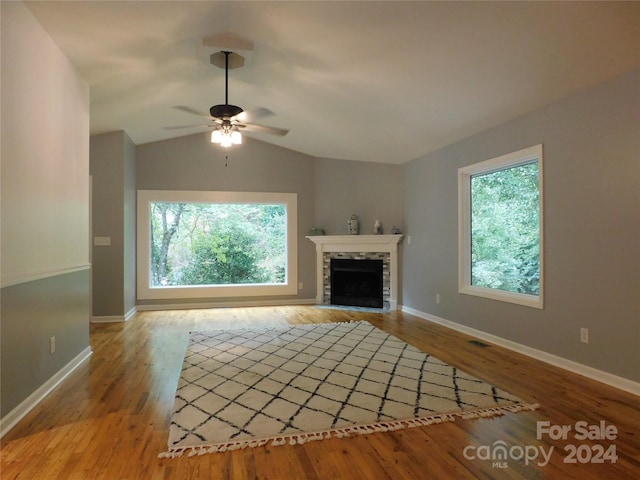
(295, 384)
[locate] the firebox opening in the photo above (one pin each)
(357, 283)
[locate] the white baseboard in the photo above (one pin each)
(14, 416)
(240, 303)
(130, 314)
(575, 367)
(107, 319)
(114, 318)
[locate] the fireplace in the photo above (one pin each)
(382, 248)
(357, 283)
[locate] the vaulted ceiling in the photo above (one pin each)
(372, 81)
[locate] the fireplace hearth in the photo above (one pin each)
(357, 283)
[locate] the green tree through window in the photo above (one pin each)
(500, 229)
(217, 244)
(505, 228)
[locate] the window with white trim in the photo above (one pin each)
(501, 228)
(198, 244)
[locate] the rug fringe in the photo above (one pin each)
(302, 438)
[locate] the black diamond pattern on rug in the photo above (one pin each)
(243, 387)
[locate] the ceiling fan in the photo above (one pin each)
(228, 120)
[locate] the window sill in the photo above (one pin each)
(503, 296)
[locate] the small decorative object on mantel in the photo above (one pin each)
(377, 228)
(314, 232)
(395, 230)
(353, 225)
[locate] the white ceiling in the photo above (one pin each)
(372, 81)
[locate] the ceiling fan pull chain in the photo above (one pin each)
(226, 161)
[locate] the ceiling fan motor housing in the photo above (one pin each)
(225, 111)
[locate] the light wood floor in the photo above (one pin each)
(110, 418)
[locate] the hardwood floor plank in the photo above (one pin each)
(110, 418)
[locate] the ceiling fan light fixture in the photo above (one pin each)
(226, 138)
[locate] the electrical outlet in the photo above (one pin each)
(584, 335)
(52, 345)
(437, 298)
(300, 286)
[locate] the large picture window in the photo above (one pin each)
(500, 230)
(216, 244)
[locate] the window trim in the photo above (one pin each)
(514, 159)
(144, 289)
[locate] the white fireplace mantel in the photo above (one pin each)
(358, 243)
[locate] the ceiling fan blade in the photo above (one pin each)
(252, 127)
(253, 115)
(192, 111)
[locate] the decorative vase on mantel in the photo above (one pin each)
(353, 225)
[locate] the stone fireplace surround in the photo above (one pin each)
(384, 247)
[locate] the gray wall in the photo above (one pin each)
(372, 191)
(32, 313)
(193, 163)
(129, 238)
(592, 229)
(329, 191)
(112, 166)
(45, 208)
